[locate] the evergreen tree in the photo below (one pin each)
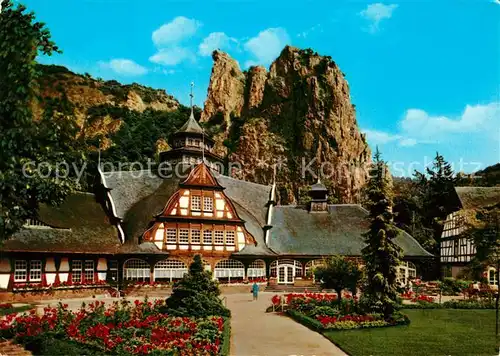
(436, 197)
(197, 294)
(24, 143)
(381, 254)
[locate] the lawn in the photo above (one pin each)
(431, 332)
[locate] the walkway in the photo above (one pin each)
(257, 333)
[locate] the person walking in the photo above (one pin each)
(255, 291)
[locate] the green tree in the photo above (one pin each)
(197, 294)
(436, 197)
(381, 254)
(24, 141)
(338, 274)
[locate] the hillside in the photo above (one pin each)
(299, 114)
(488, 177)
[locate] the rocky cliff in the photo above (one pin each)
(297, 115)
(89, 100)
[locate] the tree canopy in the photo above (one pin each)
(338, 274)
(32, 154)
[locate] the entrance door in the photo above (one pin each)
(285, 274)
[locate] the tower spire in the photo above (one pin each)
(191, 96)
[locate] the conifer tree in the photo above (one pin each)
(197, 294)
(381, 254)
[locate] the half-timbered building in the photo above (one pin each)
(143, 226)
(456, 249)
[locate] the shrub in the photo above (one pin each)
(452, 286)
(325, 310)
(469, 304)
(197, 294)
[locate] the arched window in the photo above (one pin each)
(229, 270)
(311, 265)
(297, 267)
(492, 276)
(257, 269)
(136, 269)
(207, 266)
(169, 270)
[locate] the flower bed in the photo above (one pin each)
(121, 329)
(324, 312)
(43, 287)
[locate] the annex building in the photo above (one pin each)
(140, 226)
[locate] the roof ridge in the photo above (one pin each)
(244, 181)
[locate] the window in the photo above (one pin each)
(230, 238)
(208, 204)
(171, 236)
(195, 236)
(136, 269)
(190, 141)
(257, 269)
(197, 143)
(207, 237)
(36, 271)
(76, 271)
(492, 277)
(219, 237)
(183, 236)
(169, 269)
(196, 203)
(89, 271)
(229, 269)
(455, 248)
(20, 271)
(113, 270)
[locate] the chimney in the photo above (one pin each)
(319, 197)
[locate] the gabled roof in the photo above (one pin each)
(139, 198)
(201, 176)
(296, 231)
(79, 225)
(478, 197)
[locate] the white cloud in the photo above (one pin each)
(307, 32)
(175, 31)
(124, 67)
(215, 40)
(172, 56)
(381, 138)
(477, 122)
(475, 118)
(377, 12)
(267, 45)
(407, 142)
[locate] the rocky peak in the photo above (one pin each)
(300, 112)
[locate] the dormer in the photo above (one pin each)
(319, 198)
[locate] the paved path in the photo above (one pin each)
(257, 333)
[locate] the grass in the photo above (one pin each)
(15, 309)
(431, 332)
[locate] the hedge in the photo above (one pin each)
(48, 344)
(303, 319)
(451, 304)
(226, 336)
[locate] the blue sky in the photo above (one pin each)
(424, 76)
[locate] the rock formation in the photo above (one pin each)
(298, 115)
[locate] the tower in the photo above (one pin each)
(191, 146)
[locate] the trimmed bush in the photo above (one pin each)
(197, 295)
(311, 323)
(225, 348)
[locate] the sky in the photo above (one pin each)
(424, 75)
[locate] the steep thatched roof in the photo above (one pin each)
(472, 198)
